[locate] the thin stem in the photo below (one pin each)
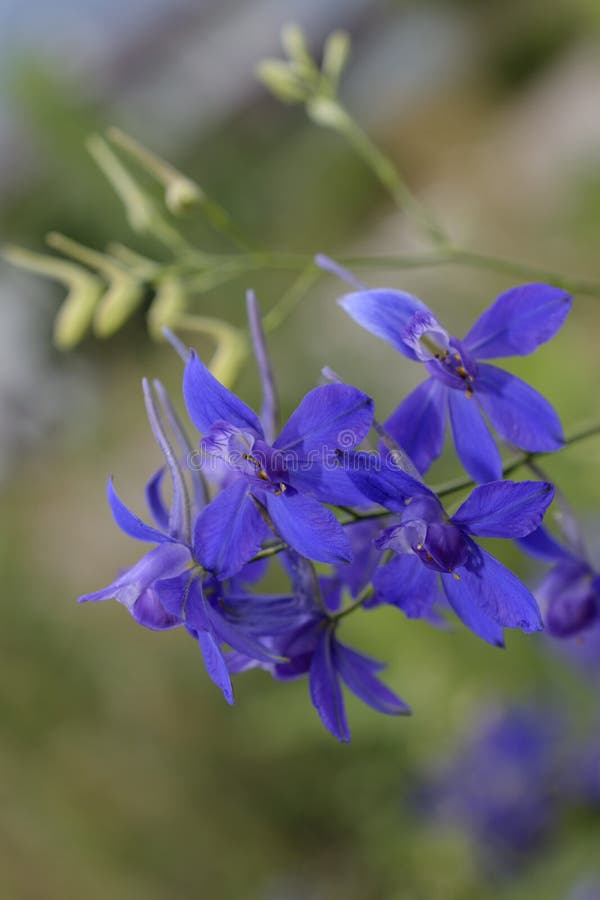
(288, 301)
(331, 114)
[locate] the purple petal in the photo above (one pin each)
(149, 612)
(419, 423)
(329, 484)
(542, 545)
(385, 313)
(270, 408)
(130, 523)
(215, 663)
(262, 614)
(357, 574)
(505, 509)
(498, 592)
(570, 598)
(378, 478)
(182, 597)
(329, 417)
(519, 321)
(356, 671)
(474, 444)
(518, 413)
(208, 401)
(229, 531)
(464, 601)
(239, 640)
(155, 502)
(163, 561)
(325, 690)
(406, 583)
(308, 527)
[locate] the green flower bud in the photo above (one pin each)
(169, 304)
(278, 78)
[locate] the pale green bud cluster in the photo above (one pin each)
(299, 79)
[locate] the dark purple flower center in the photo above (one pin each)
(455, 367)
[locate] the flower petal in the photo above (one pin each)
(329, 417)
(182, 597)
(329, 484)
(356, 671)
(215, 663)
(155, 502)
(419, 423)
(163, 561)
(519, 321)
(464, 601)
(406, 583)
(542, 545)
(474, 444)
(130, 523)
(308, 527)
(229, 531)
(385, 313)
(379, 478)
(518, 412)
(325, 690)
(208, 401)
(505, 509)
(498, 592)
(149, 612)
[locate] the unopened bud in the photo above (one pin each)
(335, 56)
(281, 81)
(168, 305)
(123, 296)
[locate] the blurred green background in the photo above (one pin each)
(122, 771)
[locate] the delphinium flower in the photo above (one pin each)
(460, 384)
(170, 586)
(284, 483)
(430, 547)
(311, 647)
(504, 785)
(569, 594)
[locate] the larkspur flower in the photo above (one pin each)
(312, 648)
(286, 481)
(460, 384)
(431, 547)
(503, 786)
(569, 595)
(170, 587)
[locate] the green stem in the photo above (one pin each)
(331, 114)
(288, 301)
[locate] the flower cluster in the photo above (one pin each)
(351, 526)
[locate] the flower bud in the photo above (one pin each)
(281, 81)
(168, 304)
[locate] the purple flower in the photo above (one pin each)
(284, 482)
(519, 321)
(503, 785)
(431, 547)
(311, 647)
(168, 587)
(569, 595)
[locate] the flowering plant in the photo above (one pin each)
(336, 499)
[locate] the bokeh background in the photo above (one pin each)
(122, 772)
